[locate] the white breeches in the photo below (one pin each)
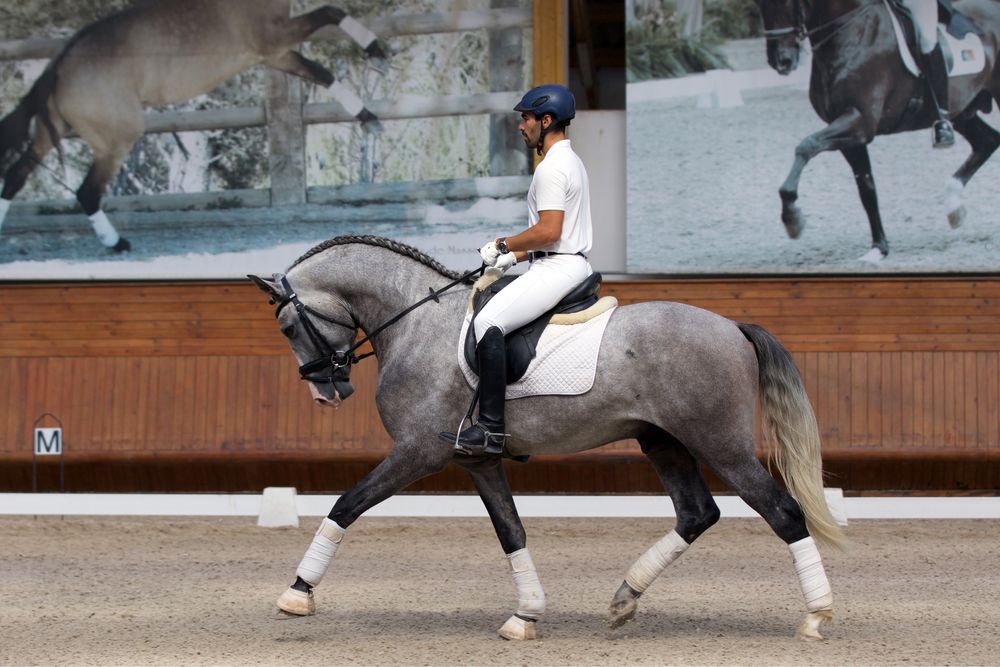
(925, 16)
(537, 290)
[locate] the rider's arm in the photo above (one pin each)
(542, 235)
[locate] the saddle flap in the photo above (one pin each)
(522, 343)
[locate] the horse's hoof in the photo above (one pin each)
(296, 603)
(622, 612)
(792, 218)
(956, 217)
(623, 607)
(122, 246)
(518, 629)
(809, 630)
(873, 256)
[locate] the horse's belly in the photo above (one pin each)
(173, 79)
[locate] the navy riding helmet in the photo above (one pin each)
(550, 98)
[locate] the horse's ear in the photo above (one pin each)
(269, 287)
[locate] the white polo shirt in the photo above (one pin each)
(560, 184)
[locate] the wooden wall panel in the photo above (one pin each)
(155, 378)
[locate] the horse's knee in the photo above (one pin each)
(691, 526)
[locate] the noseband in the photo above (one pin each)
(334, 366)
(798, 30)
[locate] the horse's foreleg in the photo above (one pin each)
(491, 482)
(310, 22)
(857, 157)
(696, 512)
(842, 133)
(296, 64)
(984, 141)
(402, 467)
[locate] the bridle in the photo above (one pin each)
(802, 32)
(332, 365)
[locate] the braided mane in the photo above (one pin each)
(380, 242)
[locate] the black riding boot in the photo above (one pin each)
(936, 72)
(487, 435)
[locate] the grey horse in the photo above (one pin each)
(681, 380)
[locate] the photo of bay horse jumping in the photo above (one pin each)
(154, 53)
(861, 87)
(681, 380)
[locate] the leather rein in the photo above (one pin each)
(801, 32)
(334, 366)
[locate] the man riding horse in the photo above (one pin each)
(925, 21)
(558, 237)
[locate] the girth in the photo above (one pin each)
(522, 343)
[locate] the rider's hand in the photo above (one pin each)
(505, 261)
(489, 253)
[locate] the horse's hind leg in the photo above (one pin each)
(984, 141)
(491, 482)
(857, 157)
(747, 477)
(695, 509)
(17, 175)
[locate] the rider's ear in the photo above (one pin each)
(269, 287)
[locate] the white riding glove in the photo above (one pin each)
(489, 253)
(505, 261)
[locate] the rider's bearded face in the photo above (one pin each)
(531, 129)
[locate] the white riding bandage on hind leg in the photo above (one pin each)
(347, 99)
(319, 554)
(360, 34)
(812, 576)
(530, 596)
(104, 229)
(652, 563)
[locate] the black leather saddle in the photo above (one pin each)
(522, 343)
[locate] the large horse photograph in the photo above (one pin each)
(794, 137)
(163, 139)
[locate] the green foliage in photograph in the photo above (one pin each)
(659, 49)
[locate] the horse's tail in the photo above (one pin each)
(16, 125)
(794, 446)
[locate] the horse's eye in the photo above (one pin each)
(289, 331)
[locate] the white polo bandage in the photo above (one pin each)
(319, 554)
(649, 566)
(105, 231)
(360, 34)
(812, 576)
(4, 207)
(347, 99)
(530, 596)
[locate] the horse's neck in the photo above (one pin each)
(823, 12)
(381, 288)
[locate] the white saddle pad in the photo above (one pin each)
(565, 362)
(964, 56)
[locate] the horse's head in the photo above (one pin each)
(321, 331)
(784, 30)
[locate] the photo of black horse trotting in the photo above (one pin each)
(864, 83)
(155, 53)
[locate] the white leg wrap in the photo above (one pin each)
(649, 566)
(319, 554)
(347, 99)
(530, 596)
(812, 576)
(953, 194)
(4, 207)
(360, 34)
(105, 231)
